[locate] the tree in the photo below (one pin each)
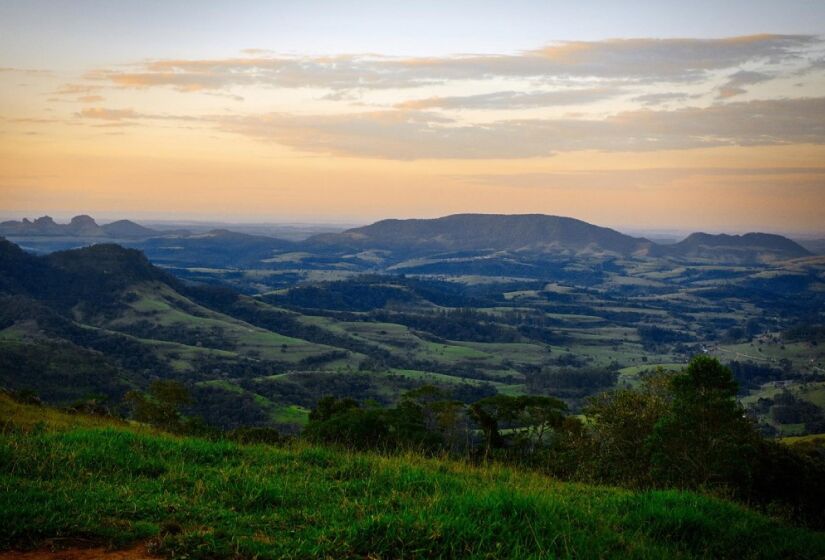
(705, 438)
(329, 406)
(444, 418)
(345, 422)
(616, 447)
(161, 405)
(531, 417)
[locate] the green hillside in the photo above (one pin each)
(103, 320)
(75, 479)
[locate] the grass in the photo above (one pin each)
(278, 413)
(18, 415)
(792, 429)
(161, 306)
(803, 357)
(201, 499)
(292, 414)
(816, 439)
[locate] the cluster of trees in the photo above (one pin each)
(426, 419)
(458, 324)
(677, 431)
(344, 296)
(812, 332)
(213, 337)
(682, 430)
(59, 371)
(750, 375)
(787, 408)
(653, 336)
(569, 382)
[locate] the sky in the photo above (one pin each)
(699, 115)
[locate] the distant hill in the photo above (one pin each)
(93, 274)
(815, 246)
(82, 226)
(488, 232)
(751, 247)
(541, 234)
(487, 244)
(127, 229)
(216, 248)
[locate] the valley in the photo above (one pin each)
(264, 327)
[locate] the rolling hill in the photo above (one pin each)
(103, 319)
(478, 304)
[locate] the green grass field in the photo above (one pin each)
(98, 482)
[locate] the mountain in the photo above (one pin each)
(487, 232)
(82, 226)
(126, 229)
(748, 248)
(532, 235)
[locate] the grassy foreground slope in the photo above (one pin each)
(194, 498)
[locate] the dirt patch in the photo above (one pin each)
(133, 553)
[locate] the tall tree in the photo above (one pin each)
(705, 438)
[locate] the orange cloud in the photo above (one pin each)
(108, 114)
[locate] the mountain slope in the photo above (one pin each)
(103, 319)
(751, 247)
(485, 232)
(102, 482)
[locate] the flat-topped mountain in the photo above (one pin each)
(485, 232)
(748, 247)
(79, 226)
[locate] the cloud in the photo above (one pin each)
(26, 71)
(333, 72)
(101, 113)
(412, 134)
(677, 59)
(30, 120)
(514, 99)
(257, 52)
(642, 60)
(77, 89)
(83, 93)
(736, 82)
(660, 98)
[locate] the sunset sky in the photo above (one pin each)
(648, 114)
